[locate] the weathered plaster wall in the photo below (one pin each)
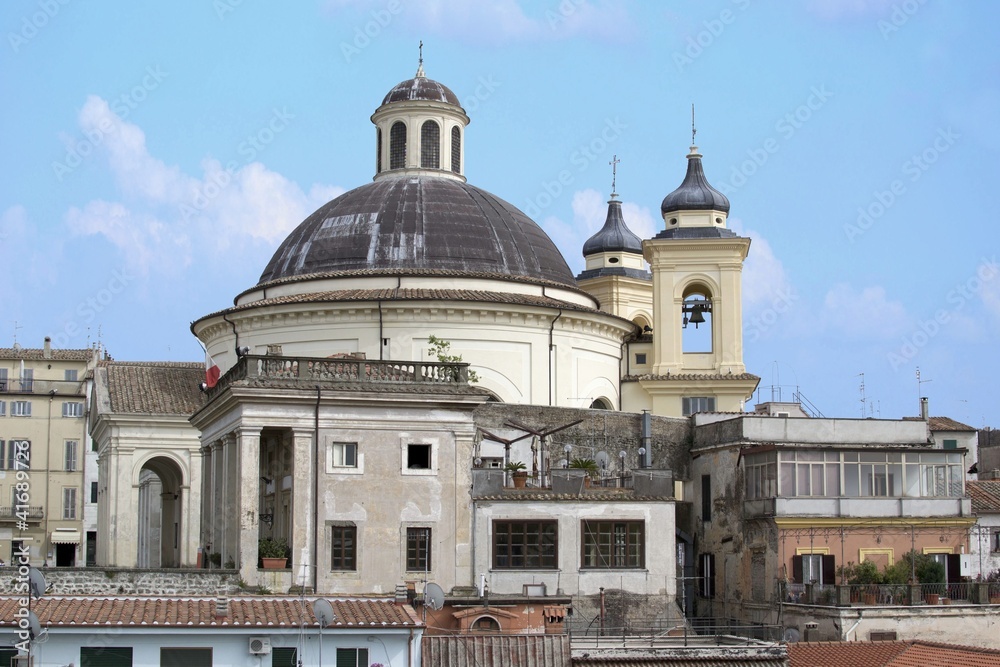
(113, 581)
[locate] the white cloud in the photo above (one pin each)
(764, 277)
(864, 314)
(166, 208)
(503, 21)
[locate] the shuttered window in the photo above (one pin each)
(283, 657)
(185, 657)
(352, 657)
(105, 656)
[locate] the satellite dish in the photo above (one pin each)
(323, 611)
(791, 635)
(35, 629)
(433, 596)
(36, 583)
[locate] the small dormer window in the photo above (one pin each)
(397, 145)
(456, 150)
(612, 260)
(430, 145)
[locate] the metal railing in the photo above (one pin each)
(11, 513)
(40, 387)
(961, 592)
(666, 632)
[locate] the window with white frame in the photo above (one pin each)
(18, 455)
(352, 657)
(344, 454)
(20, 408)
(72, 447)
(27, 379)
(692, 404)
(72, 409)
(69, 502)
(69, 375)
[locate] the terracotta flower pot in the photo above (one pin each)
(933, 598)
(520, 479)
(274, 563)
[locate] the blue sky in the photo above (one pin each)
(155, 154)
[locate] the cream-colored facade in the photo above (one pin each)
(43, 427)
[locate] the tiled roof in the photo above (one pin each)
(481, 296)
(681, 660)
(56, 354)
(608, 496)
(265, 611)
(889, 654)
(942, 423)
(159, 388)
(496, 651)
(694, 377)
(985, 495)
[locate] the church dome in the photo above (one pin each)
(694, 193)
(614, 236)
(420, 223)
(420, 88)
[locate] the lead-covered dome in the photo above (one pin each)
(695, 193)
(421, 88)
(419, 223)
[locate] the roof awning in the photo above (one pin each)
(554, 613)
(65, 537)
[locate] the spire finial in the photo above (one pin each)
(693, 130)
(614, 174)
(420, 62)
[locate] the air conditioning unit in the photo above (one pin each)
(260, 645)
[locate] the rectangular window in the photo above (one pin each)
(3, 457)
(106, 656)
(344, 548)
(3, 379)
(418, 549)
(613, 544)
(693, 404)
(706, 497)
(525, 544)
(344, 454)
(951, 444)
(93, 492)
(706, 576)
(3, 408)
(996, 541)
(186, 657)
(418, 457)
(283, 657)
(20, 408)
(27, 379)
(18, 455)
(640, 358)
(352, 657)
(814, 569)
(72, 446)
(69, 375)
(72, 409)
(69, 502)
(761, 478)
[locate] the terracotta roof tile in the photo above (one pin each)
(889, 654)
(55, 611)
(35, 353)
(985, 495)
(942, 423)
(161, 388)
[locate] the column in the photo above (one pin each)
(215, 520)
(303, 517)
(248, 445)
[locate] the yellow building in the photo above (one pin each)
(43, 432)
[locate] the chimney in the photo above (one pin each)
(401, 596)
(47, 353)
(923, 408)
(222, 606)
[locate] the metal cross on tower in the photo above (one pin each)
(614, 173)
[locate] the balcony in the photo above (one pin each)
(893, 595)
(869, 507)
(9, 514)
(310, 371)
(41, 387)
(570, 481)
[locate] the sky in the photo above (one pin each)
(154, 155)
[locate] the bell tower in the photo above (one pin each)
(697, 264)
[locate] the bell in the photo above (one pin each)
(696, 316)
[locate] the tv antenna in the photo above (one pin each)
(920, 392)
(861, 388)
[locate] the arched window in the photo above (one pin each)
(430, 145)
(456, 150)
(378, 150)
(397, 145)
(485, 624)
(696, 320)
(600, 404)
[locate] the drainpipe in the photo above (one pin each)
(316, 460)
(552, 360)
(847, 635)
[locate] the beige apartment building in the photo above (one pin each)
(43, 431)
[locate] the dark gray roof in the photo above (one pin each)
(695, 194)
(614, 236)
(697, 233)
(152, 388)
(419, 222)
(421, 88)
(638, 274)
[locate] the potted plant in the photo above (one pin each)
(273, 553)
(589, 466)
(865, 577)
(518, 473)
(215, 558)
